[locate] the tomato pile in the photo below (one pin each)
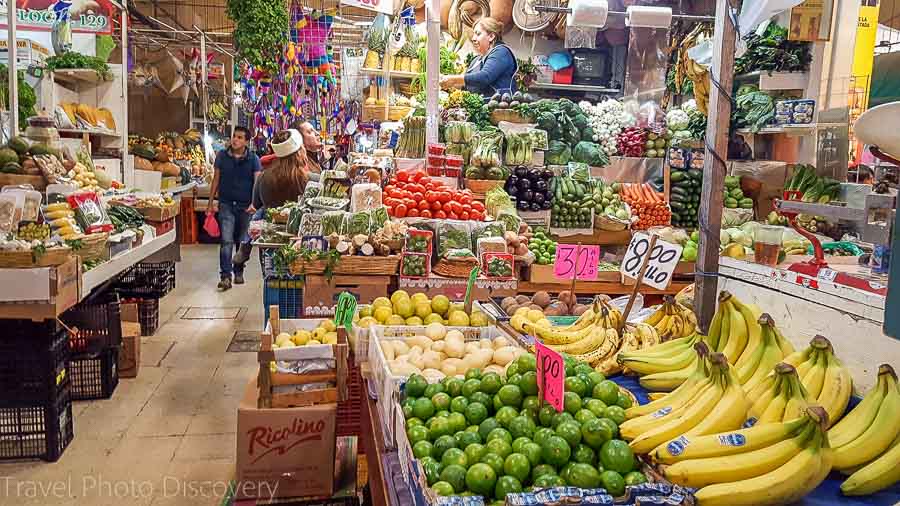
(411, 194)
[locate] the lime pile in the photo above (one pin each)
(418, 309)
(490, 436)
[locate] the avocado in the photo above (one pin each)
(517, 96)
(493, 104)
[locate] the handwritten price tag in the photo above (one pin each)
(578, 261)
(551, 372)
(663, 259)
(346, 308)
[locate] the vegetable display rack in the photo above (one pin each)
(26, 259)
(350, 264)
(270, 382)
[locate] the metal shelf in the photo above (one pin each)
(574, 87)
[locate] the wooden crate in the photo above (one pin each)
(268, 380)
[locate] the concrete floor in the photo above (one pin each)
(166, 437)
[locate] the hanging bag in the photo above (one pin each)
(211, 225)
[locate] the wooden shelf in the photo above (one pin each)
(393, 73)
(78, 76)
(595, 287)
(98, 133)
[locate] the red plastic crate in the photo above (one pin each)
(162, 227)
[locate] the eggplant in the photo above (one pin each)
(521, 171)
(539, 197)
(540, 185)
(523, 184)
(535, 206)
(535, 174)
(548, 174)
(512, 180)
(546, 205)
(526, 195)
(522, 205)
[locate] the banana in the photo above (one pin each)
(877, 438)
(879, 474)
(754, 334)
(585, 320)
(753, 366)
(553, 336)
(774, 412)
(763, 398)
(725, 333)
(814, 379)
(668, 380)
(590, 343)
(608, 348)
(681, 394)
(655, 317)
(715, 329)
(836, 389)
(737, 339)
(651, 365)
(728, 443)
(786, 347)
(798, 398)
(655, 396)
(743, 466)
(666, 349)
(862, 416)
(648, 335)
(782, 485)
(729, 413)
(634, 428)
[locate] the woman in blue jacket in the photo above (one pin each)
(493, 70)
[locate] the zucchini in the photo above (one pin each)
(675, 205)
(677, 176)
(695, 174)
(677, 190)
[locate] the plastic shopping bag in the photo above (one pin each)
(211, 225)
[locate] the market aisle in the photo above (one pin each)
(168, 436)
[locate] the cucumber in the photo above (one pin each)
(696, 175)
(677, 176)
(679, 206)
(677, 190)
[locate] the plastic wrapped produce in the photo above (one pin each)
(453, 235)
(333, 223)
(364, 197)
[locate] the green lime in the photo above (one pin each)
(564, 472)
(442, 413)
(493, 460)
(465, 438)
(412, 422)
(422, 449)
(470, 387)
(481, 397)
(416, 385)
(407, 410)
(513, 379)
(473, 428)
(594, 433)
(624, 401)
(443, 488)
(526, 362)
(559, 418)
(606, 391)
(454, 456)
(441, 401)
(570, 364)
(528, 383)
(457, 422)
(612, 426)
(476, 413)
(507, 485)
(635, 478)
(613, 483)
(571, 432)
(533, 452)
(617, 456)
(532, 403)
(456, 476)
(486, 427)
(459, 404)
(588, 383)
(615, 413)
(584, 415)
(496, 402)
(549, 481)
(500, 433)
(491, 383)
(437, 427)
(505, 415)
(519, 443)
(597, 407)
(584, 455)
(529, 414)
(481, 479)
(511, 370)
(572, 402)
(432, 389)
(545, 415)
(417, 433)
(474, 373)
(511, 395)
(517, 465)
(441, 445)
(583, 476)
(542, 470)
(575, 385)
(499, 447)
(555, 451)
(475, 452)
(454, 387)
(432, 469)
(596, 378)
(521, 426)
(583, 368)
(423, 409)
(542, 434)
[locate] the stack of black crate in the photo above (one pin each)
(144, 284)
(95, 335)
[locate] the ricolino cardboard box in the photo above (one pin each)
(286, 452)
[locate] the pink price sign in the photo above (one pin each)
(579, 261)
(551, 374)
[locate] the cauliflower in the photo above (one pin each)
(607, 119)
(676, 119)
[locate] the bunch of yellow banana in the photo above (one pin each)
(613, 318)
(714, 404)
(666, 365)
(634, 337)
(664, 402)
(867, 441)
(736, 331)
(826, 380)
(591, 339)
(768, 464)
(779, 397)
(191, 135)
(673, 320)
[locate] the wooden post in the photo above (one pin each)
(574, 275)
(12, 68)
(432, 68)
(640, 277)
(718, 123)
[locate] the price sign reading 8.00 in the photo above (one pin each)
(663, 259)
(578, 260)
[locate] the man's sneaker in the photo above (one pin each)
(224, 284)
(242, 255)
(239, 279)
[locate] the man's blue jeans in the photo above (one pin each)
(233, 224)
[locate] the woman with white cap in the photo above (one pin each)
(285, 178)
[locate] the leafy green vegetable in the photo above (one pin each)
(590, 153)
(260, 27)
(753, 109)
(559, 153)
(76, 60)
(27, 97)
(773, 52)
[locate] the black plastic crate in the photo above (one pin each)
(37, 431)
(95, 375)
(33, 370)
(96, 323)
(148, 316)
(147, 280)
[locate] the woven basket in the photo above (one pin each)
(397, 112)
(482, 186)
(25, 259)
(356, 264)
(93, 247)
(509, 115)
(454, 268)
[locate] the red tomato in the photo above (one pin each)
(425, 180)
(424, 205)
(403, 176)
(400, 211)
(417, 175)
(435, 206)
(425, 214)
(477, 216)
(465, 198)
(441, 215)
(410, 203)
(466, 208)
(464, 215)
(447, 207)
(456, 207)
(390, 210)
(413, 213)
(478, 206)
(453, 216)
(444, 197)
(418, 197)
(430, 196)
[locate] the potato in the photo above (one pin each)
(388, 349)
(431, 359)
(505, 355)
(438, 346)
(420, 341)
(493, 368)
(483, 358)
(433, 375)
(472, 347)
(400, 368)
(415, 356)
(400, 348)
(486, 344)
(500, 342)
(451, 366)
(455, 347)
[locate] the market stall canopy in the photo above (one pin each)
(880, 126)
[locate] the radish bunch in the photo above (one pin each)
(630, 142)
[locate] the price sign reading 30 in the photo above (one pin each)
(581, 261)
(663, 259)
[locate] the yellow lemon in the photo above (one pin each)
(433, 318)
(458, 319)
(399, 295)
(413, 320)
(330, 338)
(300, 338)
(478, 319)
(522, 311)
(367, 322)
(288, 344)
(395, 319)
(313, 341)
(366, 311)
(440, 304)
(518, 322)
(423, 309)
(543, 323)
(404, 308)
(383, 313)
(381, 302)
(282, 338)
(328, 325)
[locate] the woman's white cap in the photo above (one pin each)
(290, 146)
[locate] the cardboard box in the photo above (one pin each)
(286, 452)
(41, 293)
(130, 352)
(320, 295)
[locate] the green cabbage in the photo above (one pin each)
(558, 154)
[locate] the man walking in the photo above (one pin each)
(236, 169)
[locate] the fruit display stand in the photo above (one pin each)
(455, 288)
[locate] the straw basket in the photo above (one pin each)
(26, 259)
(454, 268)
(482, 186)
(398, 112)
(93, 247)
(356, 264)
(509, 115)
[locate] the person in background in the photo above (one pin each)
(312, 141)
(236, 168)
(864, 175)
(493, 69)
(286, 177)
